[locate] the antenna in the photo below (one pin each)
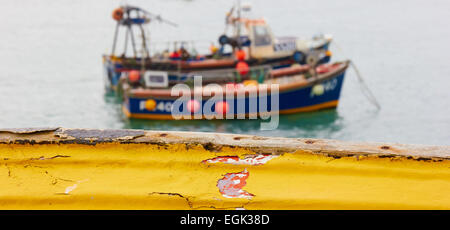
(239, 23)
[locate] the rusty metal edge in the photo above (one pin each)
(215, 141)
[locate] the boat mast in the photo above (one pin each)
(116, 33)
(144, 48)
(144, 43)
(239, 23)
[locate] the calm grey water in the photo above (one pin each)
(51, 69)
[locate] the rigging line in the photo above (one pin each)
(364, 87)
(367, 91)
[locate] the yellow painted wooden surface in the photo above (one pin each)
(172, 176)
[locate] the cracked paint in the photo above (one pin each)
(259, 159)
(191, 204)
(174, 194)
(49, 158)
(232, 183)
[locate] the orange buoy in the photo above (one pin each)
(193, 106)
(150, 104)
(133, 76)
(221, 107)
(241, 55)
(213, 49)
(117, 14)
(242, 67)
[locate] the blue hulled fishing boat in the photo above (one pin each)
(298, 89)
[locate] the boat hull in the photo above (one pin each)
(303, 98)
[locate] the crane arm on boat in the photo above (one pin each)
(118, 15)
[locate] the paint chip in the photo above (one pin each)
(73, 187)
(232, 183)
(70, 189)
(259, 159)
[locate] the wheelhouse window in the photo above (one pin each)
(261, 36)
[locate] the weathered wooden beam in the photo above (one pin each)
(57, 168)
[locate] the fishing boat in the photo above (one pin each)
(249, 43)
(299, 88)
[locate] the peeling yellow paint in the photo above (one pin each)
(172, 176)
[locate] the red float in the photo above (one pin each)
(134, 76)
(193, 106)
(222, 107)
(243, 68)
